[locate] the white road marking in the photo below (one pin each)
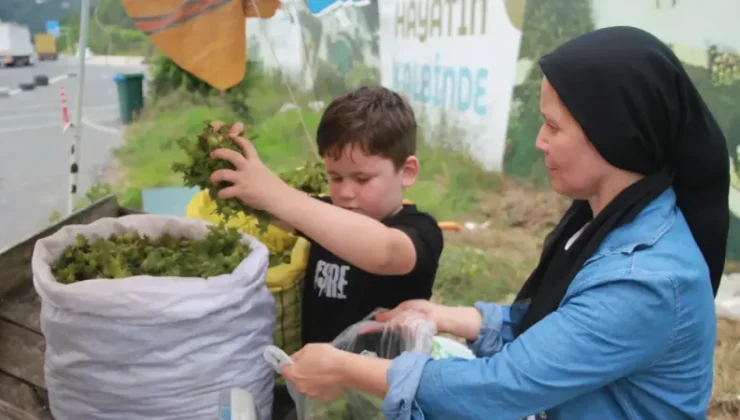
(100, 127)
(28, 107)
(86, 121)
(30, 127)
(39, 115)
(55, 79)
(51, 107)
(59, 78)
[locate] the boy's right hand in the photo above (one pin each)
(252, 181)
(237, 130)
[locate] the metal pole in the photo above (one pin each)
(74, 167)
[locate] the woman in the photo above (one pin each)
(617, 321)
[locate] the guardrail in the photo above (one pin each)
(113, 60)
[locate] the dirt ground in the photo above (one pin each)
(519, 218)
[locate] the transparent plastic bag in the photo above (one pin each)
(409, 331)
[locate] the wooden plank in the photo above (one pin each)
(11, 412)
(23, 308)
(15, 263)
(20, 401)
(22, 354)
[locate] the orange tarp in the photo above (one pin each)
(205, 37)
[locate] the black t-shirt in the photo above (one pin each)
(337, 294)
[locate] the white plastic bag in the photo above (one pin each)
(445, 348)
(153, 347)
(277, 358)
(727, 301)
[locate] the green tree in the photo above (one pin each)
(111, 12)
(111, 31)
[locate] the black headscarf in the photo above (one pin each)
(642, 113)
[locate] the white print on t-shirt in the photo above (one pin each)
(330, 279)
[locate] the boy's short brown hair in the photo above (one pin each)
(378, 119)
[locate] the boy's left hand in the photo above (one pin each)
(253, 182)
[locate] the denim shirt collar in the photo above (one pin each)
(649, 226)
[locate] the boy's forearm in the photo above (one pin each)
(357, 239)
(283, 225)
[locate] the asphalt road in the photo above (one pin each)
(34, 156)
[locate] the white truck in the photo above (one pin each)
(16, 48)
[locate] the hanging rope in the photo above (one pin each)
(308, 137)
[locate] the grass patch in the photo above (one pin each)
(450, 184)
(469, 274)
(725, 404)
(149, 151)
(146, 157)
(492, 261)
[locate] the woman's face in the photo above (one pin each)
(574, 165)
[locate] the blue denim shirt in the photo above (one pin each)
(633, 338)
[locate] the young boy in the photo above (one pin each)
(368, 249)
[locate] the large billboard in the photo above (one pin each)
(457, 60)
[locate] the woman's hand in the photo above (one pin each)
(463, 322)
(316, 372)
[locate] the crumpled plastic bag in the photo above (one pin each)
(409, 331)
